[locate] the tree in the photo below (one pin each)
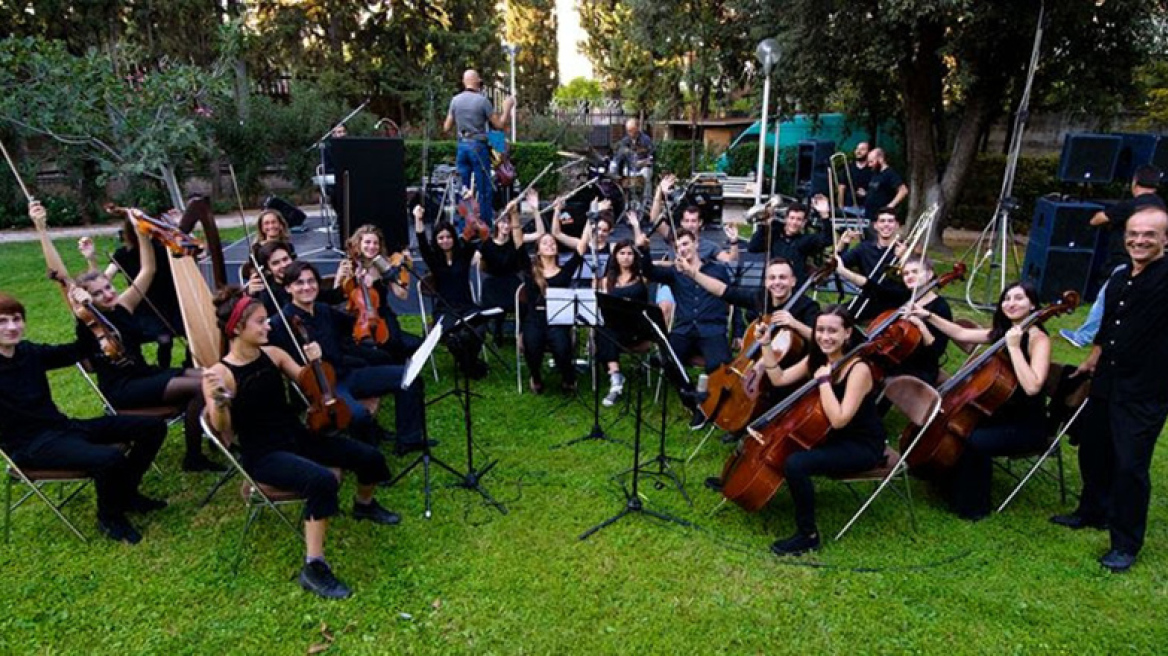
(579, 89)
(133, 116)
(531, 24)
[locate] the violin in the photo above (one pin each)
(103, 330)
(176, 241)
(318, 382)
(974, 393)
(735, 388)
(754, 473)
(468, 208)
(364, 303)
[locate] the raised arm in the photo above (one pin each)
(1031, 371)
(953, 330)
(778, 376)
(218, 389)
(132, 296)
(841, 411)
(567, 240)
(708, 283)
(499, 120)
(658, 206)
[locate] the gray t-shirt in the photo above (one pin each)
(471, 111)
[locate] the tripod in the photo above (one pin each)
(633, 503)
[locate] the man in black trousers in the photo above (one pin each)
(1129, 400)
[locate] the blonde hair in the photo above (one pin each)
(284, 235)
(354, 243)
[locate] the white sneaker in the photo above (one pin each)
(610, 399)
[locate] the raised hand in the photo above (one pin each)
(86, 248)
(37, 213)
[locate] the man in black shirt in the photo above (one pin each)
(859, 175)
(868, 263)
(885, 188)
(1114, 218)
(36, 435)
(792, 243)
(1129, 400)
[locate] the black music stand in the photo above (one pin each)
(633, 503)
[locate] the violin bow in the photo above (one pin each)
(52, 257)
(134, 285)
(239, 202)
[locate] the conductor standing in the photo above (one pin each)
(471, 112)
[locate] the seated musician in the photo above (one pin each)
(917, 272)
(871, 259)
(1018, 426)
(623, 280)
(856, 440)
(364, 246)
(449, 261)
(274, 258)
(602, 230)
(634, 157)
(539, 334)
(161, 319)
(701, 318)
(792, 242)
(502, 259)
(130, 383)
(272, 226)
(357, 378)
(247, 399)
(36, 435)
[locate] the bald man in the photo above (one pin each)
(1129, 400)
(634, 156)
(471, 112)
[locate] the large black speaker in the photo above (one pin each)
(1137, 150)
(1089, 158)
(1160, 157)
(292, 214)
(373, 168)
(811, 163)
(1065, 252)
(706, 195)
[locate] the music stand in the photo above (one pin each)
(470, 480)
(578, 307)
(633, 503)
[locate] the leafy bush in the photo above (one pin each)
(529, 158)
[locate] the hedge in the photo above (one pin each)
(529, 158)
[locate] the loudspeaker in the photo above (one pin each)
(1089, 158)
(1137, 150)
(292, 214)
(706, 194)
(811, 163)
(374, 170)
(1064, 252)
(1160, 156)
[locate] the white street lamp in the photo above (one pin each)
(767, 53)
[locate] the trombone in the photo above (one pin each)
(833, 163)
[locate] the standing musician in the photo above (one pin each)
(700, 320)
(1129, 400)
(1019, 425)
(634, 157)
(364, 246)
(860, 175)
(130, 382)
(623, 280)
(917, 272)
(449, 261)
(272, 226)
(471, 112)
(502, 259)
(538, 333)
(36, 435)
(871, 259)
(848, 397)
(246, 398)
(792, 243)
(885, 186)
(357, 378)
(163, 323)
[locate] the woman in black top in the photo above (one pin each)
(857, 439)
(538, 335)
(132, 383)
(365, 245)
(623, 280)
(1019, 426)
(502, 259)
(247, 400)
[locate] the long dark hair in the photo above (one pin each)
(816, 358)
(448, 227)
(614, 271)
(1001, 322)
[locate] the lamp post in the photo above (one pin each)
(512, 50)
(767, 54)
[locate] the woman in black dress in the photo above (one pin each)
(502, 259)
(624, 280)
(538, 334)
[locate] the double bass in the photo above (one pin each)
(736, 388)
(974, 393)
(911, 334)
(754, 473)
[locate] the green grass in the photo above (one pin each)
(472, 580)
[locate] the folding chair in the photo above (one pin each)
(921, 404)
(425, 287)
(968, 349)
(35, 479)
(1068, 398)
(171, 414)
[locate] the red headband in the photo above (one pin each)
(237, 313)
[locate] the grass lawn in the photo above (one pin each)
(473, 580)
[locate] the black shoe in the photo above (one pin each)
(714, 483)
(317, 578)
(201, 463)
(405, 448)
(1075, 521)
(115, 526)
(375, 513)
(729, 438)
(140, 503)
(796, 545)
(1117, 561)
(698, 421)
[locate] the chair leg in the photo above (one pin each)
(701, 444)
(1058, 454)
(57, 511)
(912, 513)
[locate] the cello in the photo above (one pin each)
(975, 392)
(754, 473)
(318, 382)
(735, 388)
(911, 333)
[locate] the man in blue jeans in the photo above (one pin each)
(1145, 180)
(471, 112)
